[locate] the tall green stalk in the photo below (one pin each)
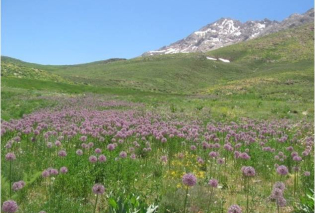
(10, 178)
(95, 204)
(211, 192)
(247, 193)
(185, 199)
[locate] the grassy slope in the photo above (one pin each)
(189, 73)
(254, 84)
(11, 67)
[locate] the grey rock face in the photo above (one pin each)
(227, 31)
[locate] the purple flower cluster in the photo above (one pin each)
(282, 170)
(277, 194)
(18, 185)
(63, 170)
(234, 209)
(9, 206)
(248, 171)
(98, 189)
(189, 179)
(10, 156)
(213, 183)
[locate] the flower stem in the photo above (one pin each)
(247, 192)
(95, 203)
(185, 199)
(10, 178)
(211, 192)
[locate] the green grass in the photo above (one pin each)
(14, 68)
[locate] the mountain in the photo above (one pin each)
(227, 31)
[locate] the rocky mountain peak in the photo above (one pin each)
(227, 31)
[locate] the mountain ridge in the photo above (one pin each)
(227, 31)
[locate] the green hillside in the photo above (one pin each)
(11, 67)
(269, 77)
(286, 51)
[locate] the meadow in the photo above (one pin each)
(173, 133)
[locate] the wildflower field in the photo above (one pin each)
(174, 133)
(90, 154)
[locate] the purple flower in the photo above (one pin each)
(290, 148)
(58, 143)
(235, 209)
(244, 156)
(282, 202)
(123, 154)
(18, 185)
(53, 172)
(98, 189)
(133, 156)
(248, 171)
(279, 185)
(62, 153)
(237, 154)
(93, 159)
(305, 153)
(49, 144)
(98, 150)
(200, 160)
(220, 161)
(307, 173)
(9, 206)
(110, 147)
(189, 179)
(276, 193)
(10, 156)
(45, 174)
(282, 170)
(83, 138)
(213, 183)
(294, 154)
(79, 152)
(22, 183)
(102, 158)
(213, 154)
(63, 170)
(297, 158)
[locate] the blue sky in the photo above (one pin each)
(78, 31)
